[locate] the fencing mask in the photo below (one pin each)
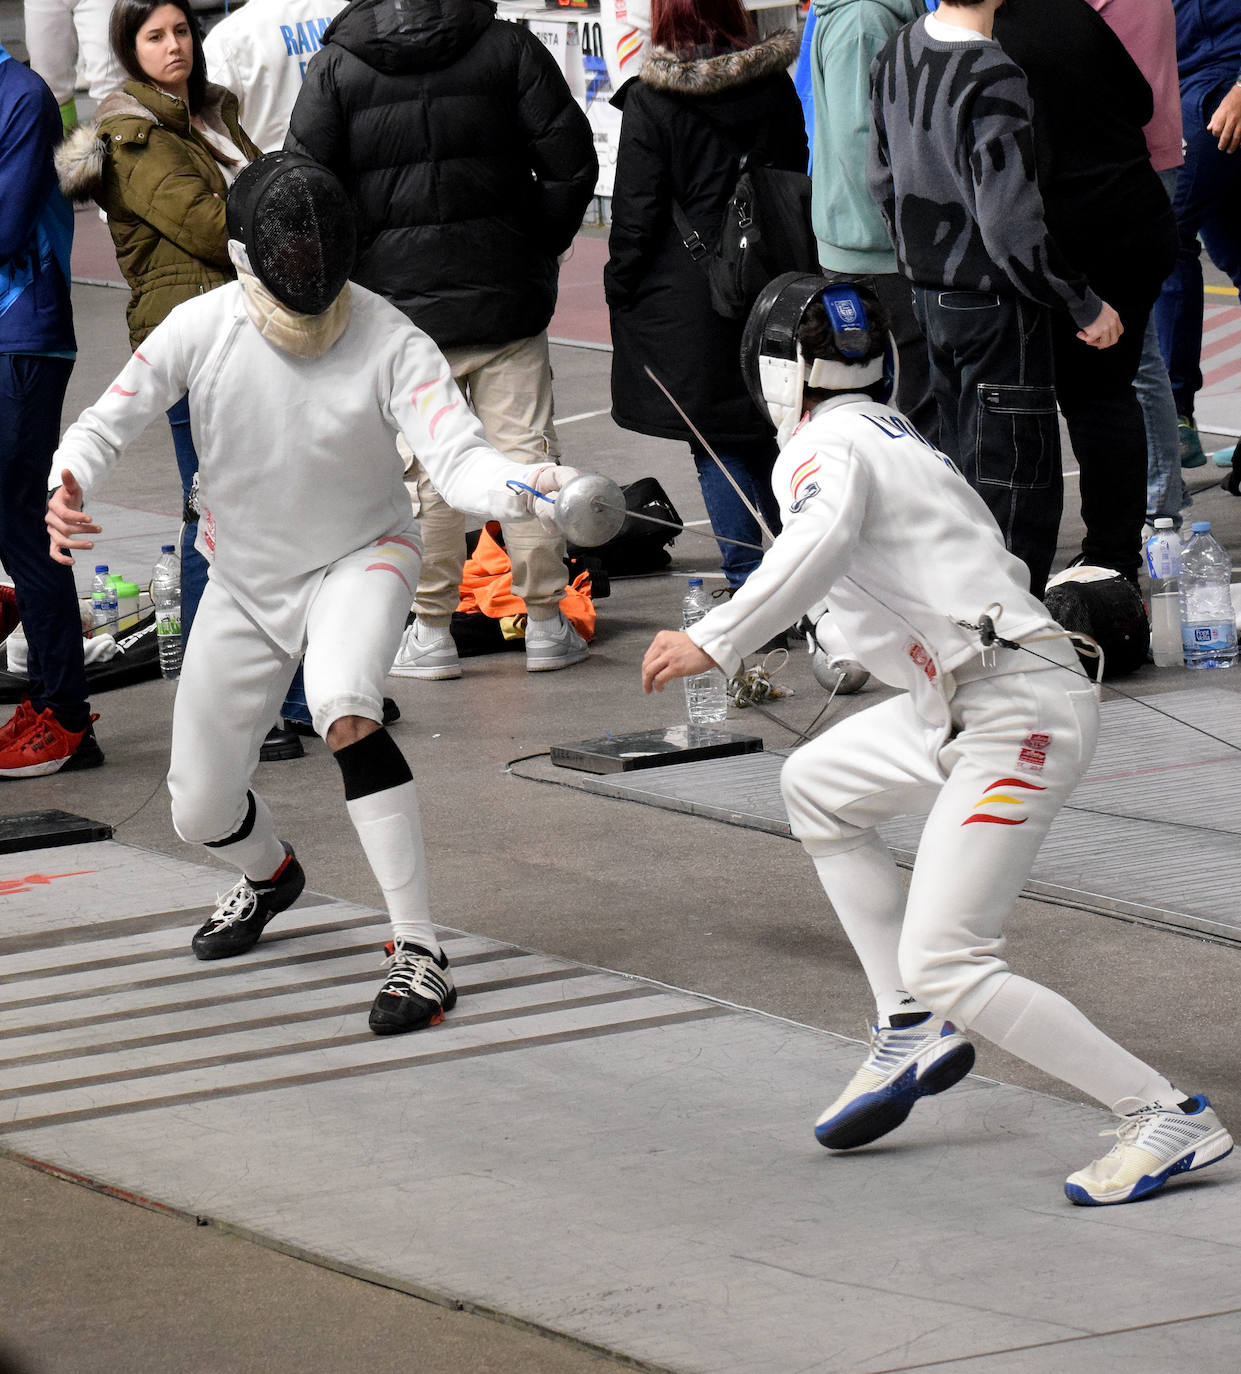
(1107, 607)
(297, 226)
(776, 371)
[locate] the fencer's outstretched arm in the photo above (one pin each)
(152, 380)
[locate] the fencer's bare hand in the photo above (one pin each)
(1225, 123)
(672, 654)
(1105, 329)
(67, 522)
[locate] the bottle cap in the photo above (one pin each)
(1202, 527)
(1165, 522)
(114, 578)
(167, 548)
(695, 582)
(124, 588)
(101, 567)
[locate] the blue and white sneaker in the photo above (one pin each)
(1152, 1145)
(904, 1064)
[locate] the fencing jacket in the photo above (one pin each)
(297, 456)
(883, 529)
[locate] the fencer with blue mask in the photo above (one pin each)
(299, 383)
(994, 725)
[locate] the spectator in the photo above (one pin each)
(51, 729)
(470, 167)
(953, 168)
(260, 52)
(1110, 217)
(1147, 28)
(62, 35)
(709, 92)
(1207, 204)
(853, 242)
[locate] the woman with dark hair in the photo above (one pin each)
(159, 157)
(709, 93)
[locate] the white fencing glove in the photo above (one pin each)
(547, 480)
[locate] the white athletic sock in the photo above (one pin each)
(391, 834)
(259, 853)
(1048, 1031)
(863, 885)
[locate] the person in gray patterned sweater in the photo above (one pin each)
(952, 167)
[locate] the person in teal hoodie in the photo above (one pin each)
(853, 241)
(51, 728)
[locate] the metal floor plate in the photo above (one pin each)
(1150, 832)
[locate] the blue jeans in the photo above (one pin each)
(994, 382)
(750, 467)
(1207, 203)
(32, 391)
(1165, 490)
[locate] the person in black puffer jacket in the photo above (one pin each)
(470, 166)
(707, 89)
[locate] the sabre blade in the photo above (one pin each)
(672, 525)
(732, 481)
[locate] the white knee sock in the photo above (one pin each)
(863, 885)
(1048, 1031)
(389, 828)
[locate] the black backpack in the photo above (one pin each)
(766, 230)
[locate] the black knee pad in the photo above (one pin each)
(373, 764)
(246, 826)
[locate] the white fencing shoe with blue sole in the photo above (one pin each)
(1151, 1148)
(904, 1064)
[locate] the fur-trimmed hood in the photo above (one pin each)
(129, 114)
(665, 71)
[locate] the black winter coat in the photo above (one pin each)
(682, 124)
(467, 158)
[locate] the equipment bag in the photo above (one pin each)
(638, 547)
(766, 230)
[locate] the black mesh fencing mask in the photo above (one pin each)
(297, 226)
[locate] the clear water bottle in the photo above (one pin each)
(99, 597)
(706, 694)
(1163, 566)
(1208, 622)
(166, 593)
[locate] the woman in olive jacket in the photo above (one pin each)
(707, 92)
(159, 157)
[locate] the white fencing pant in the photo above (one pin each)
(994, 782)
(509, 388)
(234, 679)
(57, 30)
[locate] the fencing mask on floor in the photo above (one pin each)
(852, 354)
(1107, 607)
(298, 229)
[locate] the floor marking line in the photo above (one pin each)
(584, 415)
(213, 1061)
(262, 994)
(707, 1013)
(337, 1009)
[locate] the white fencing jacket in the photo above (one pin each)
(882, 529)
(297, 456)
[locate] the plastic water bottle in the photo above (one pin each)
(706, 694)
(166, 593)
(99, 599)
(1208, 622)
(1163, 565)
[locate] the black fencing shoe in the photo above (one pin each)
(416, 993)
(238, 920)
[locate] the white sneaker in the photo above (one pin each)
(552, 644)
(904, 1064)
(1152, 1145)
(430, 654)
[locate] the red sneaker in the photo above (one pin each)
(47, 747)
(18, 723)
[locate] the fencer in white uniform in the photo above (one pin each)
(882, 530)
(299, 383)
